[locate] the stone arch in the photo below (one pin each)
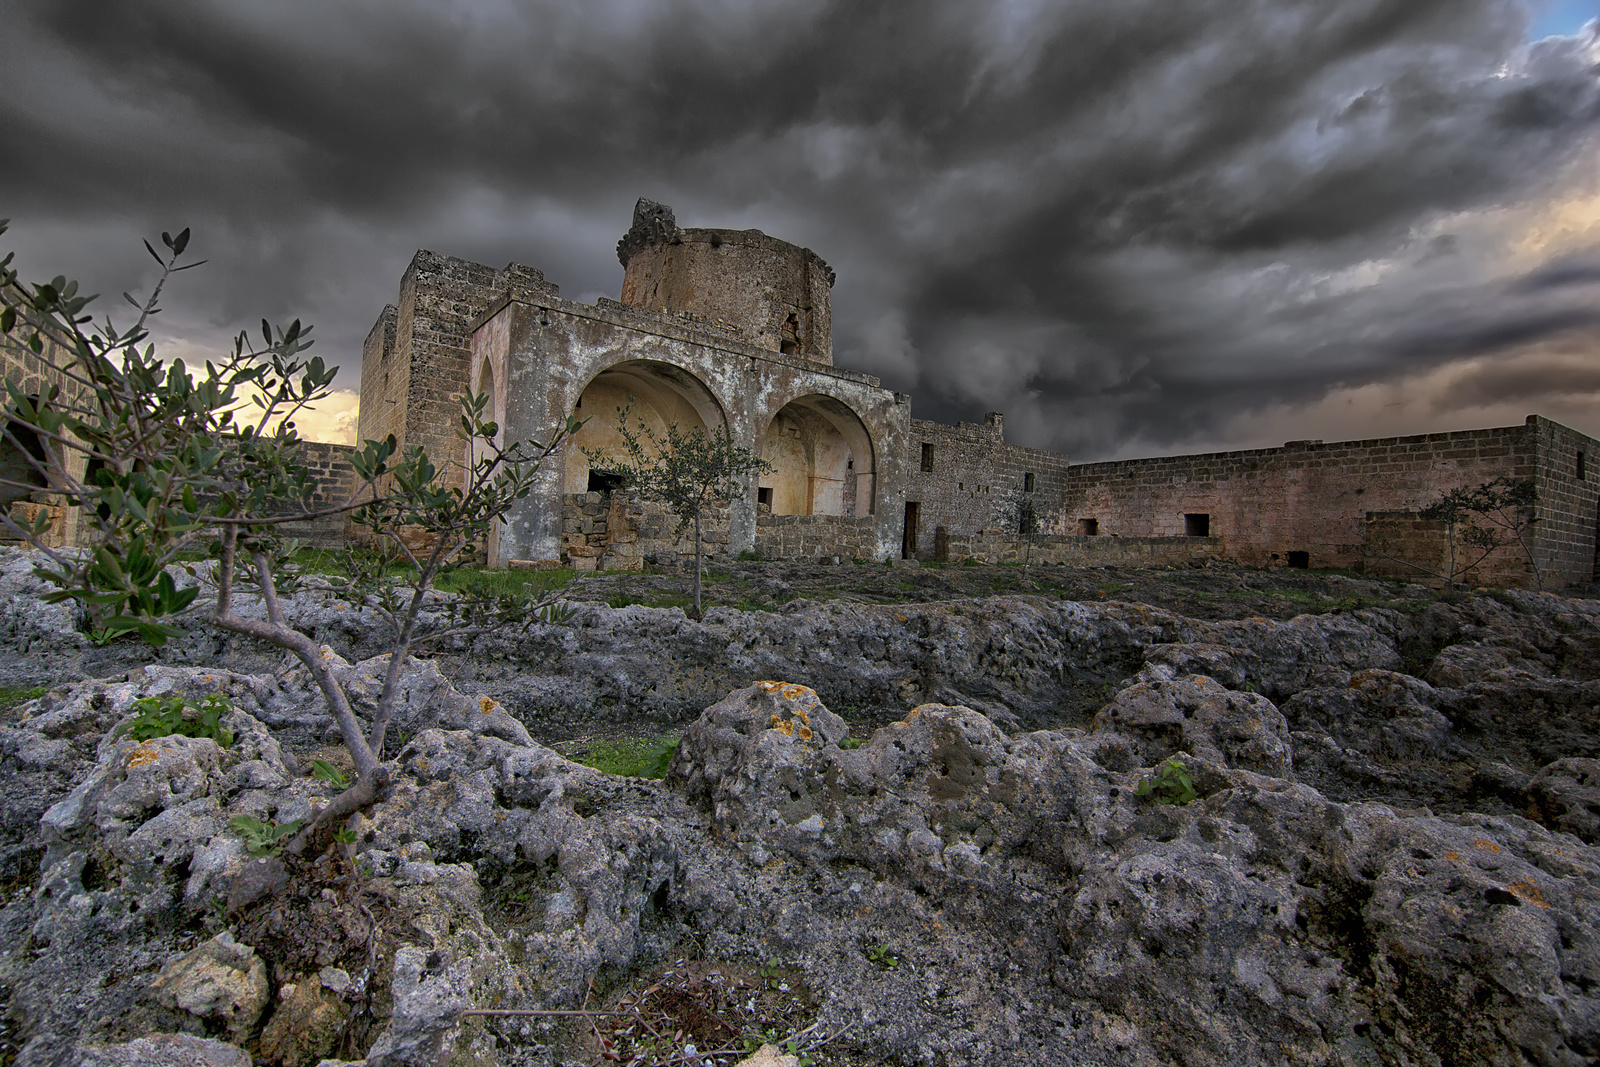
(822, 457)
(21, 455)
(657, 395)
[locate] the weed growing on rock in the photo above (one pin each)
(327, 772)
(164, 716)
(1169, 784)
(263, 838)
(880, 956)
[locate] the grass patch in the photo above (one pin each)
(637, 757)
(524, 585)
(12, 697)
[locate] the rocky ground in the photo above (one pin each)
(918, 815)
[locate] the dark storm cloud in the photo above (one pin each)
(1113, 221)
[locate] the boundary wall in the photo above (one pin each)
(1354, 503)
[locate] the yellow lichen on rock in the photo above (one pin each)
(488, 706)
(144, 754)
(782, 725)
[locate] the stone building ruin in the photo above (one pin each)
(732, 330)
(718, 330)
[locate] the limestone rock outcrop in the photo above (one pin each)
(1391, 857)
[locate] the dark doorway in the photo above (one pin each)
(21, 456)
(908, 540)
(605, 481)
(1596, 574)
(1197, 525)
(764, 497)
(1088, 527)
(1300, 560)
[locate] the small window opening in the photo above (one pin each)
(927, 457)
(1300, 560)
(1580, 466)
(1196, 525)
(1088, 527)
(764, 497)
(1027, 482)
(605, 481)
(790, 343)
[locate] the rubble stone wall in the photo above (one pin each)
(1314, 498)
(967, 479)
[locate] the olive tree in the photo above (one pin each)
(690, 471)
(180, 463)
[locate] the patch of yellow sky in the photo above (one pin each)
(1558, 377)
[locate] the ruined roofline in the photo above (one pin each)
(1319, 446)
(674, 327)
(387, 317)
(654, 224)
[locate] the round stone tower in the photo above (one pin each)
(774, 293)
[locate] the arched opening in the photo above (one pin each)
(655, 395)
(22, 455)
(493, 410)
(822, 460)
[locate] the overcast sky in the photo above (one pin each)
(1134, 226)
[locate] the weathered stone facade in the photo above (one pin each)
(23, 453)
(1355, 503)
(731, 330)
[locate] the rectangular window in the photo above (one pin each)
(764, 496)
(927, 457)
(1027, 481)
(1196, 525)
(1580, 466)
(1088, 527)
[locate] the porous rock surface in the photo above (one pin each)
(1392, 858)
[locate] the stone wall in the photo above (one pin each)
(772, 294)
(967, 479)
(1308, 503)
(617, 531)
(385, 381)
(1304, 497)
(1402, 544)
(799, 537)
(423, 348)
(335, 481)
(35, 375)
(1568, 529)
(559, 348)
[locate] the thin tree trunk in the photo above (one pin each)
(697, 564)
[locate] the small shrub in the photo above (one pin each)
(1170, 784)
(263, 838)
(749, 555)
(164, 716)
(852, 742)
